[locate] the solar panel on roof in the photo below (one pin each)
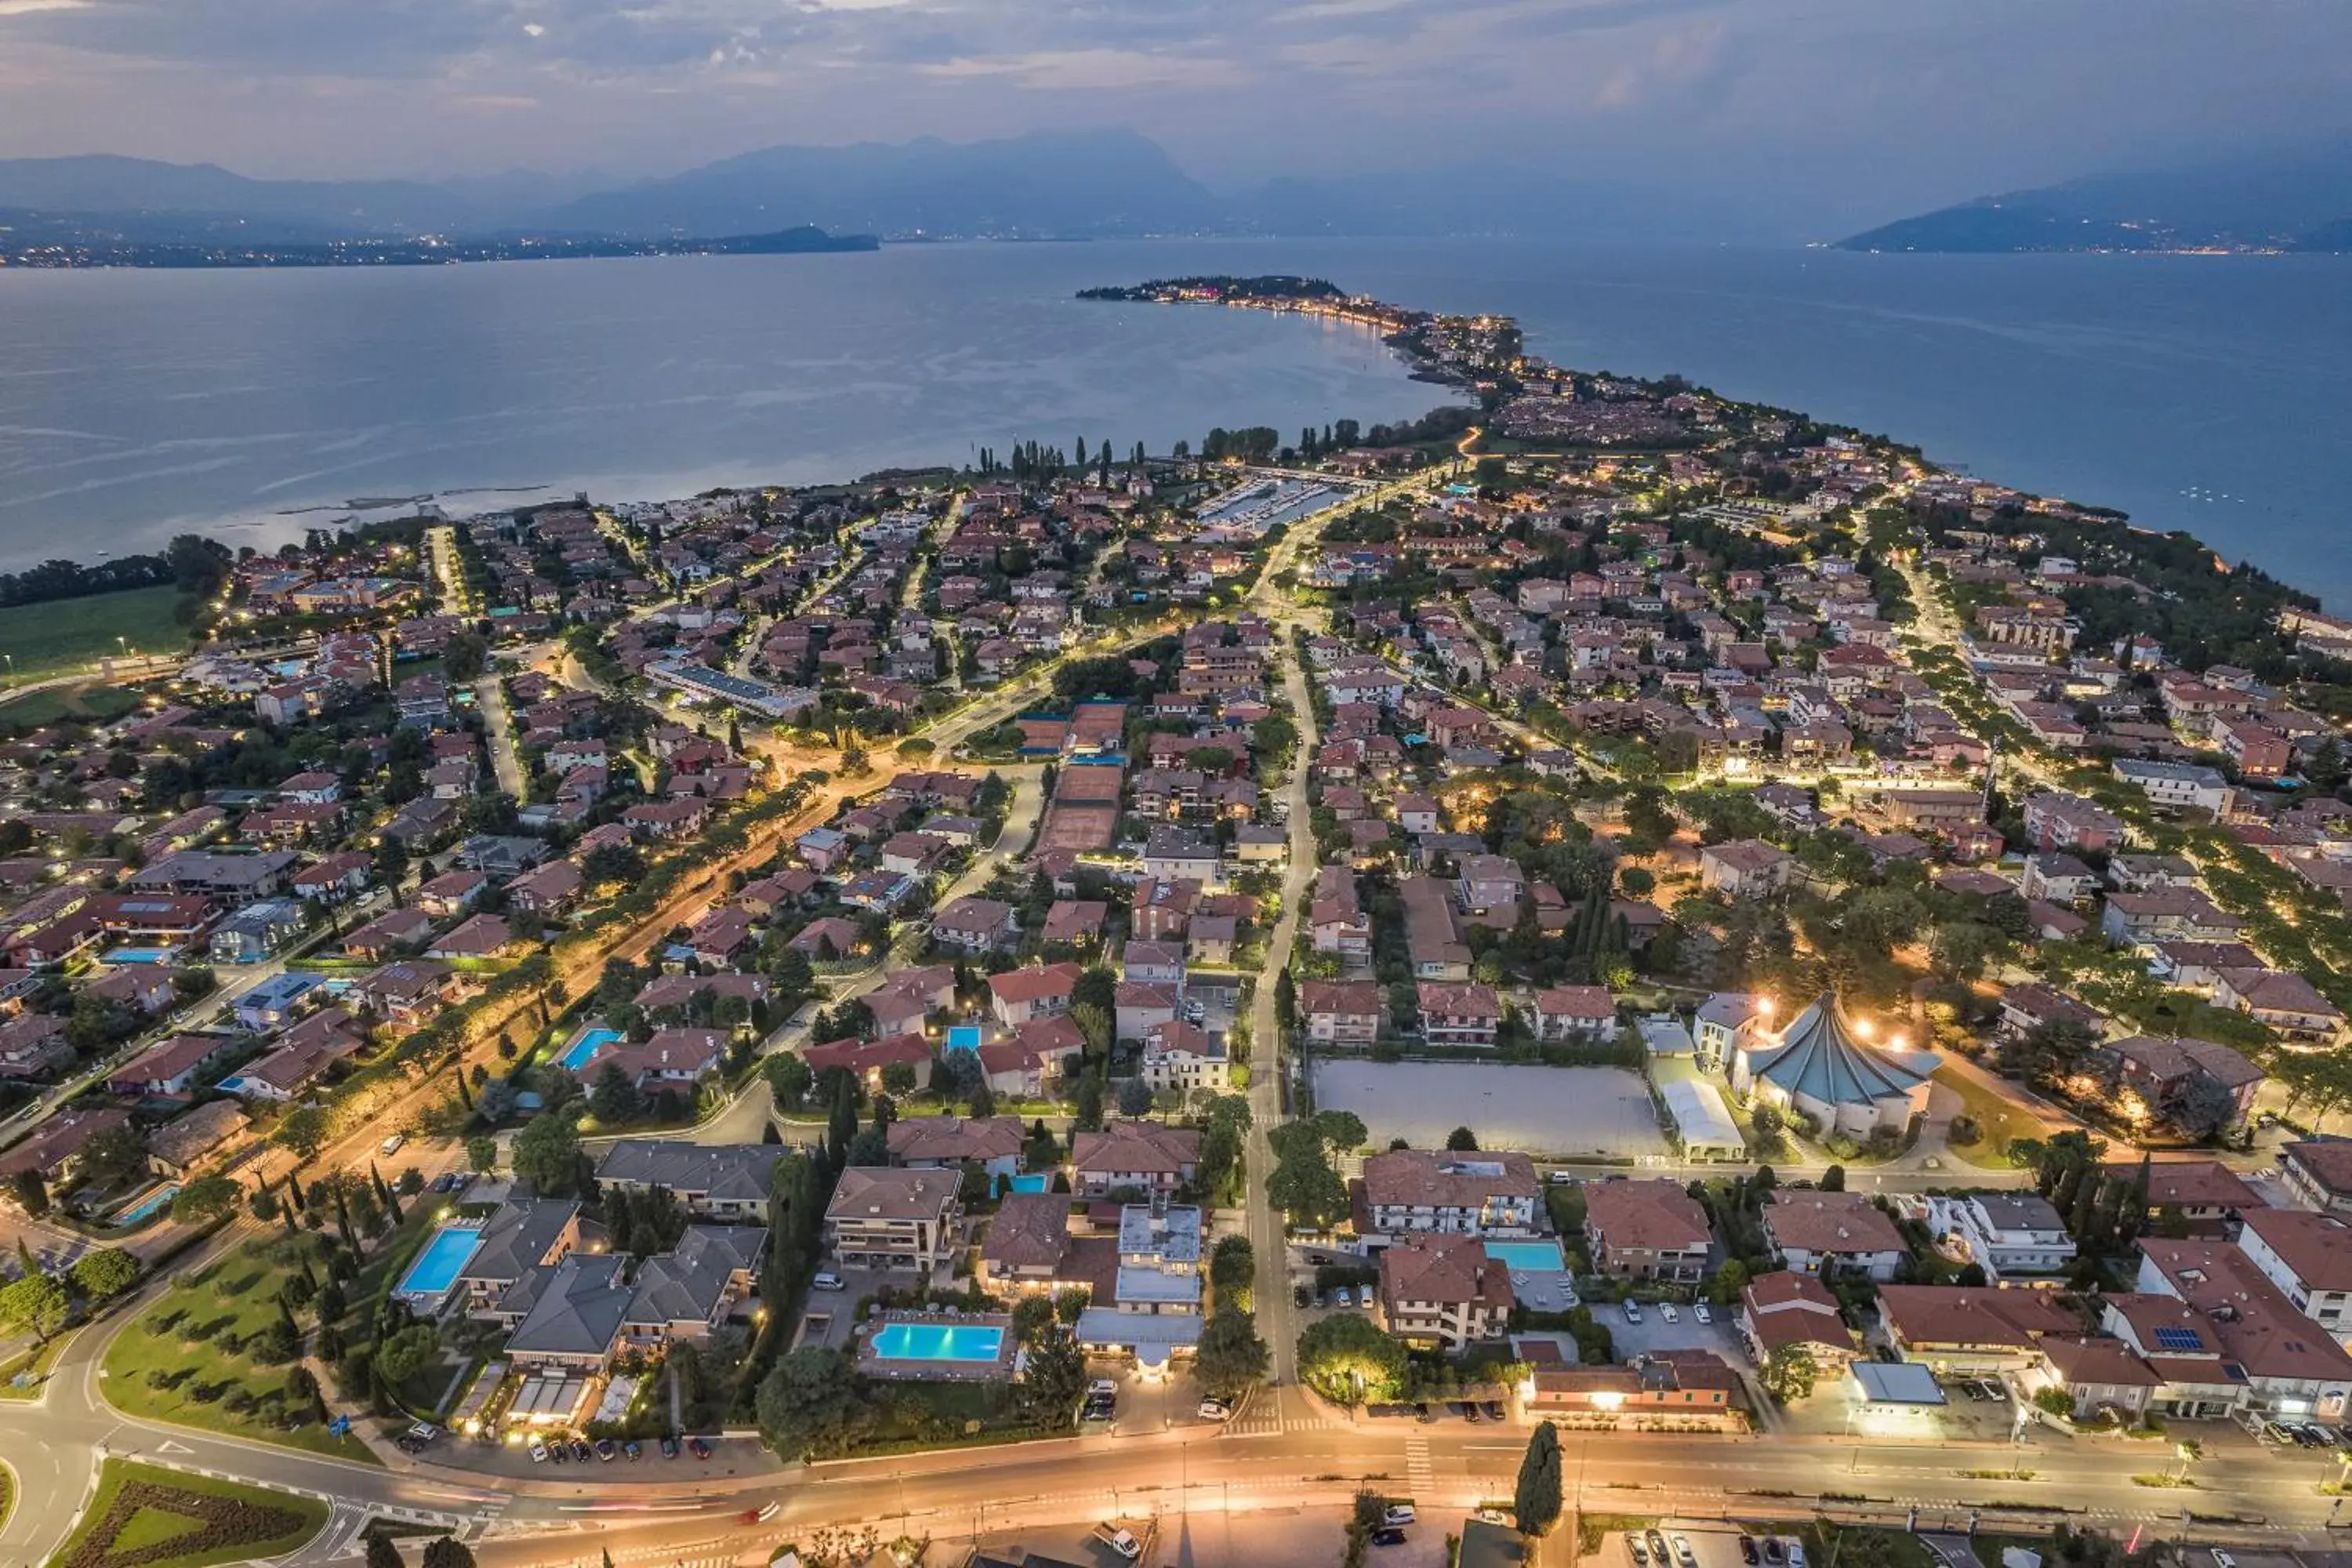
(2173, 1339)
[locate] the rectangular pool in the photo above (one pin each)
(437, 1267)
(938, 1341)
(1035, 1182)
(965, 1037)
(578, 1054)
(146, 1207)
(1528, 1256)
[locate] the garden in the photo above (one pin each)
(147, 1517)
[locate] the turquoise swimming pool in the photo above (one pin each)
(578, 1054)
(1035, 1182)
(938, 1341)
(437, 1267)
(965, 1037)
(1528, 1256)
(146, 1208)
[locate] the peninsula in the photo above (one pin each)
(1270, 987)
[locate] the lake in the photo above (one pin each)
(2211, 394)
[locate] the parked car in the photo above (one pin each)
(1215, 1410)
(581, 1451)
(560, 1451)
(1683, 1553)
(1633, 1311)
(1796, 1555)
(1969, 1386)
(391, 1145)
(1657, 1547)
(1387, 1537)
(631, 1450)
(1636, 1551)
(697, 1447)
(1101, 1388)
(1667, 1310)
(2223, 1559)
(1772, 1553)
(1118, 1541)
(1747, 1550)
(1703, 1312)
(825, 1279)
(1399, 1513)
(1300, 1296)
(1423, 1413)
(538, 1452)
(669, 1448)
(1470, 1411)
(1494, 1409)
(605, 1451)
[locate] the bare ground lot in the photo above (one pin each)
(1542, 1110)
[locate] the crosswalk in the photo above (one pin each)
(1418, 1474)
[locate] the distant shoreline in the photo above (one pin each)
(93, 253)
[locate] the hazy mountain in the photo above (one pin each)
(1485, 199)
(2295, 199)
(124, 187)
(1046, 183)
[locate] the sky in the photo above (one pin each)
(1893, 105)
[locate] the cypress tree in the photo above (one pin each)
(1537, 1500)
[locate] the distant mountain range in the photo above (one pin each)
(2298, 200)
(1045, 186)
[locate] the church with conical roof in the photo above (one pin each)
(1823, 1066)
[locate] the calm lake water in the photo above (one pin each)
(2208, 393)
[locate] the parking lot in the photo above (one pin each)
(1654, 1333)
(1711, 1545)
(1537, 1110)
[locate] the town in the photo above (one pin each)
(1294, 983)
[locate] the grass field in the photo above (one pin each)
(156, 1369)
(66, 634)
(35, 1366)
(139, 1510)
(90, 701)
(2001, 1118)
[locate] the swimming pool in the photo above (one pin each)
(1528, 1256)
(965, 1037)
(1035, 1182)
(140, 955)
(577, 1054)
(146, 1207)
(437, 1267)
(938, 1341)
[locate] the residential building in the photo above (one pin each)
(2014, 1236)
(1444, 1290)
(1473, 1193)
(892, 1218)
(1832, 1233)
(1645, 1229)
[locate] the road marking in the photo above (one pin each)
(169, 1447)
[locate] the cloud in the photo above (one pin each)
(1860, 97)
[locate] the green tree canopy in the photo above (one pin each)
(1347, 1359)
(1535, 1502)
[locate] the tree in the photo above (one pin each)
(1462, 1141)
(1834, 1179)
(1535, 1502)
(1086, 1111)
(1347, 1359)
(547, 1153)
(301, 1131)
(207, 1199)
(615, 1098)
(482, 1154)
(788, 1080)
(31, 1192)
(1789, 1373)
(808, 1405)
(1055, 1377)
(1233, 1269)
(1231, 1357)
(35, 1301)
(898, 1078)
(407, 1352)
(447, 1552)
(1134, 1097)
(99, 1276)
(381, 1552)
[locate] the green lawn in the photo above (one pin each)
(66, 634)
(35, 1366)
(1999, 1118)
(179, 1339)
(140, 1509)
(93, 702)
